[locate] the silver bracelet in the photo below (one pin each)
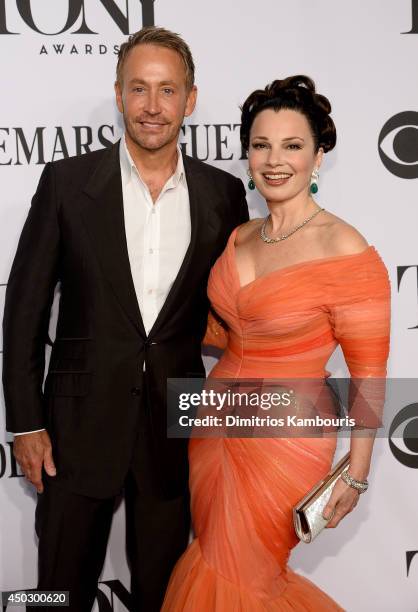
(360, 485)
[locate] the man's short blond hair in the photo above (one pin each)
(152, 35)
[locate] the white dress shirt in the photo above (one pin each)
(157, 234)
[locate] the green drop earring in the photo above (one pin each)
(251, 184)
(314, 182)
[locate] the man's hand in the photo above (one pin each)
(32, 451)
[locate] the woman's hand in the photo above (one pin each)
(342, 501)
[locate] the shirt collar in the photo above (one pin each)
(128, 166)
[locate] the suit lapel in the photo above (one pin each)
(104, 219)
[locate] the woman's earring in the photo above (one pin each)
(251, 184)
(314, 181)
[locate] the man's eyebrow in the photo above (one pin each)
(135, 80)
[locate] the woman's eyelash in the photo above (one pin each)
(262, 145)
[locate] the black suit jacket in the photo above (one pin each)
(75, 235)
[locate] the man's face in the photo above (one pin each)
(153, 97)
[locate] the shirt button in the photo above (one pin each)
(153, 211)
(151, 251)
(136, 391)
(149, 291)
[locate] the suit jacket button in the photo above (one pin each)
(136, 391)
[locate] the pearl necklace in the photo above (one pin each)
(268, 240)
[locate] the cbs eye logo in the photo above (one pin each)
(404, 427)
(398, 145)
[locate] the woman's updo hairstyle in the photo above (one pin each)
(293, 93)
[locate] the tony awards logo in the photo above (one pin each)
(77, 13)
(79, 17)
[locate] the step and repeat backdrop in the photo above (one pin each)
(58, 61)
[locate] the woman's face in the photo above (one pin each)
(282, 154)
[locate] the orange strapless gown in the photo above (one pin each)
(284, 324)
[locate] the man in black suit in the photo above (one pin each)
(130, 233)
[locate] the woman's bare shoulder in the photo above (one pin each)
(340, 237)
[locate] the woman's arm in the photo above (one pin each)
(360, 316)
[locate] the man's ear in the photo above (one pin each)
(191, 101)
(118, 94)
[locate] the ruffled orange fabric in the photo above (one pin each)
(284, 324)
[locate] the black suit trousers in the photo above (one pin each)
(73, 533)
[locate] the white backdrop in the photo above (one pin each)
(57, 88)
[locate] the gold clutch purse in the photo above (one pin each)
(307, 514)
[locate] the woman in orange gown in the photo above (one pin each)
(290, 288)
